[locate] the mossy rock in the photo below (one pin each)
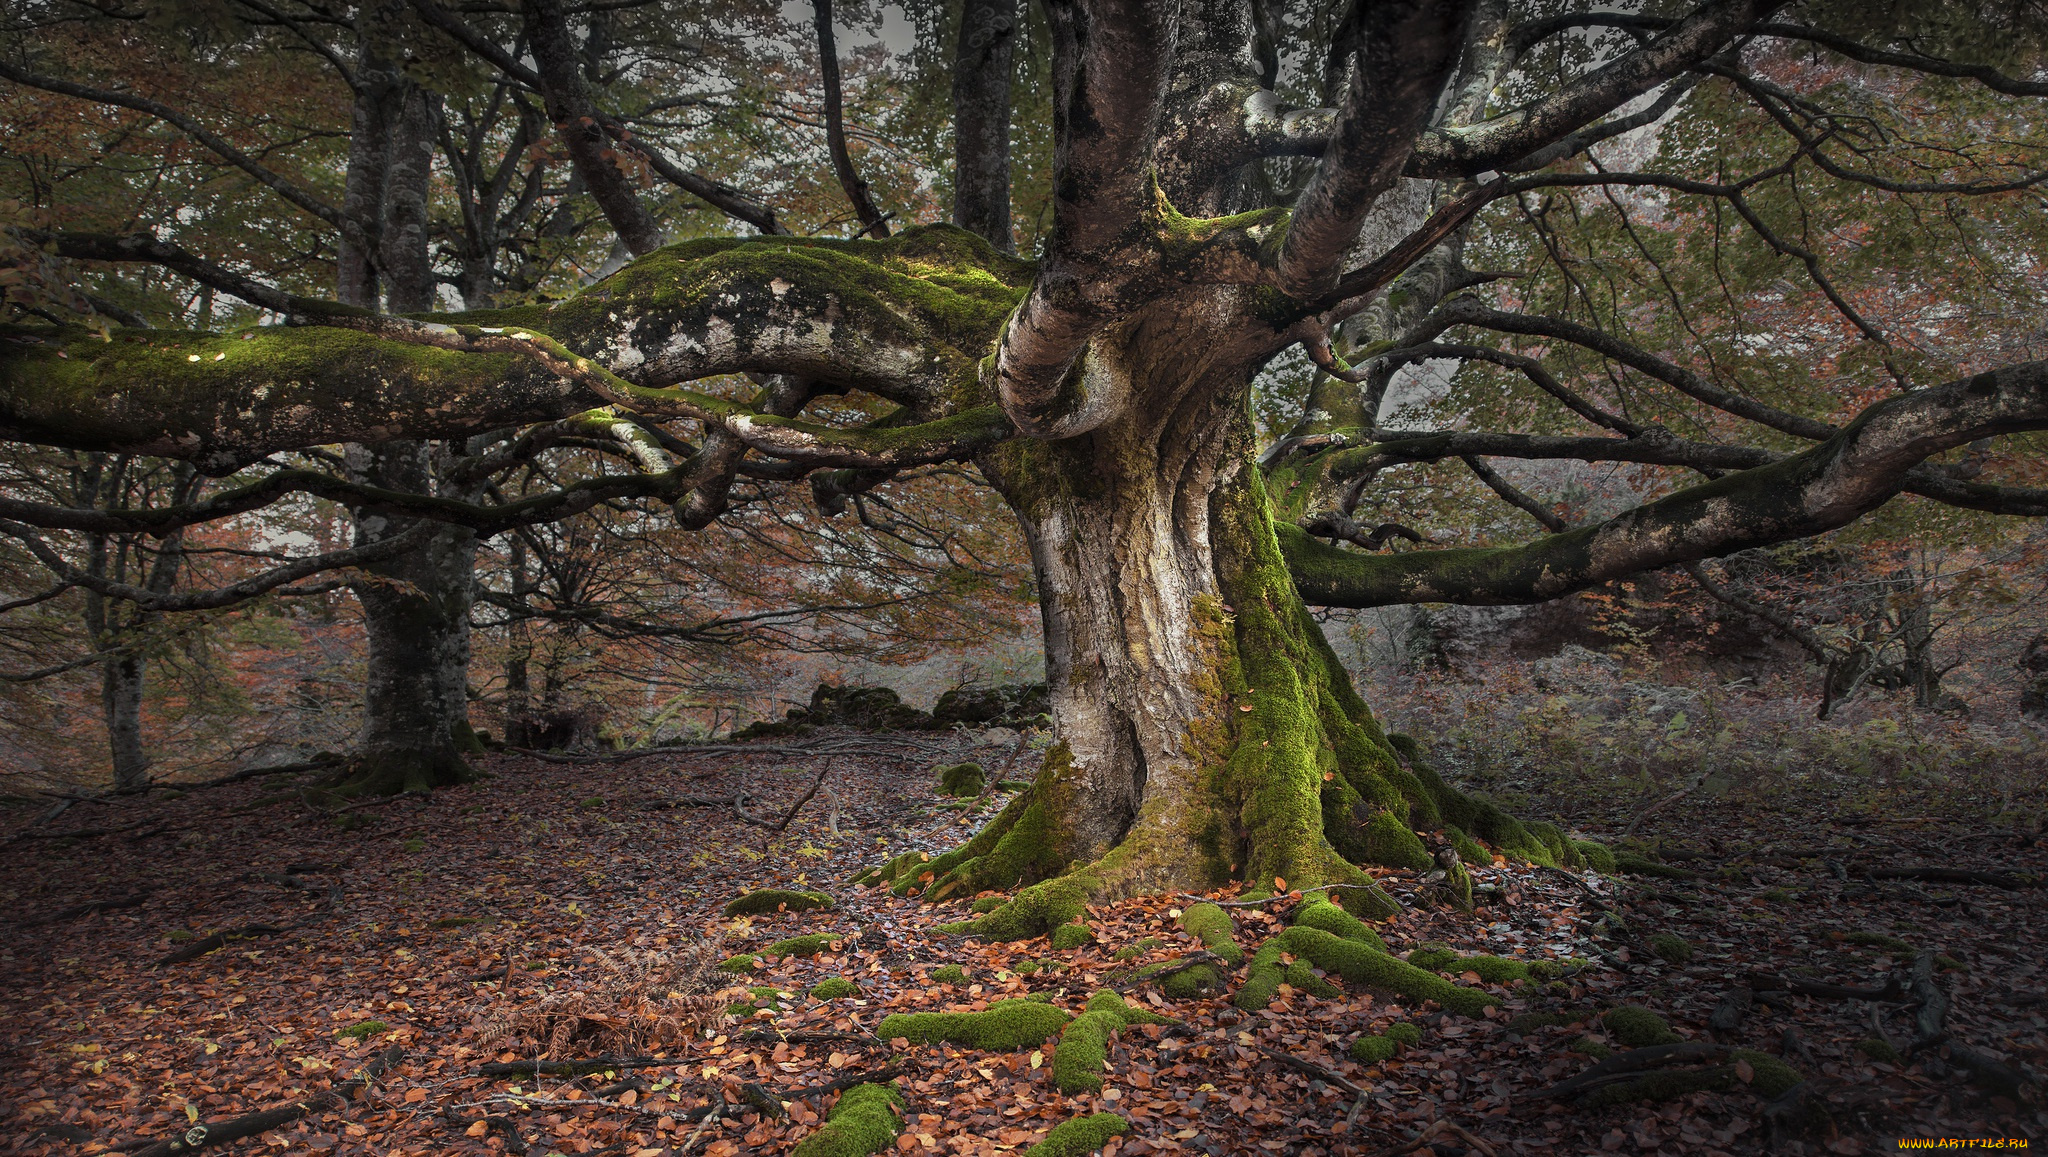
(1079, 1137)
(744, 962)
(962, 780)
(949, 974)
(762, 901)
(1004, 1026)
(1670, 948)
(833, 987)
(1356, 963)
(810, 945)
(1879, 1050)
(1638, 1027)
(364, 1029)
(1139, 948)
(1589, 1047)
(863, 1122)
(1068, 937)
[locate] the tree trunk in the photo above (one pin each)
(416, 616)
(1207, 731)
(121, 705)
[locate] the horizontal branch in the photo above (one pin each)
(1830, 485)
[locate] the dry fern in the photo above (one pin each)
(630, 1002)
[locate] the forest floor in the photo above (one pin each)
(409, 937)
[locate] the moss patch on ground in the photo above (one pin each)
(1070, 936)
(762, 901)
(1004, 1026)
(744, 962)
(1638, 1027)
(1670, 948)
(1372, 1050)
(809, 945)
(833, 987)
(863, 1122)
(949, 974)
(1079, 1137)
(962, 780)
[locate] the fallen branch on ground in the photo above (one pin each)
(222, 1132)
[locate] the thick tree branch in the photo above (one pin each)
(1830, 485)
(1400, 60)
(1496, 144)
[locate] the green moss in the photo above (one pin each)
(961, 780)
(1004, 1026)
(1140, 948)
(364, 1029)
(744, 962)
(1038, 909)
(833, 987)
(1879, 1050)
(1872, 940)
(1079, 1137)
(1357, 964)
(801, 945)
(765, 900)
(1404, 1033)
(1372, 1050)
(1529, 1022)
(1770, 1078)
(1469, 850)
(1186, 983)
(956, 927)
(949, 974)
(987, 904)
(1084, 1051)
(1596, 856)
(1670, 948)
(759, 997)
(1214, 928)
(1638, 1027)
(1067, 937)
(1434, 956)
(1321, 913)
(1634, 864)
(1103, 1000)
(1389, 840)
(863, 1122)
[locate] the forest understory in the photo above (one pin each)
(180, 960)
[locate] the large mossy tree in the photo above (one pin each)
(1201, 226)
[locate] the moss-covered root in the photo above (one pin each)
(1766, 1075)
(1373, 1050)
(762, 901)
(863, 1122)
(1067, 937)
(810, 945)
(1318, 912)
(1214, 930)
(1079, 1137)
(1355, 962)
(1004, 1026)
(1084, 1047)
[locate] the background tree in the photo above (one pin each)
(1203, 225)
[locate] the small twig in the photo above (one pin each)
(1428, 1134)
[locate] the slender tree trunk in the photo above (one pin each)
(121, 706)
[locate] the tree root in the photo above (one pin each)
(1435, 1130)
(1627, 1076)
